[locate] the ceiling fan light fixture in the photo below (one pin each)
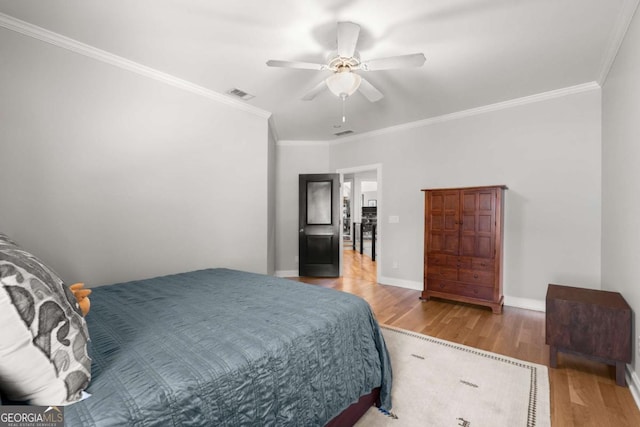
(343, 83)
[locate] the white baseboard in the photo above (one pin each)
(286, 273)
(401, 283)
(634, 384)
(526, 303)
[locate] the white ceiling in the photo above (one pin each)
(479, 52)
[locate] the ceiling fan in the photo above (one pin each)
(344, 81)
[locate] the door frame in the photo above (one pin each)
(351, 211)
(381, 209)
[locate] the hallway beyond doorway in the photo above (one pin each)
(356, 266)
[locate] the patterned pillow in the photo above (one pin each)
(43, 338)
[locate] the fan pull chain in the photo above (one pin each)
(344, 108)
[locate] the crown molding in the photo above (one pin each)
(302, 143)
(39, 33)
(618, 32)
(273, 129)
(544, 96)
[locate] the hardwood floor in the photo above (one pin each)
(583, 393)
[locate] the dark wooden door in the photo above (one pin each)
(319, 225)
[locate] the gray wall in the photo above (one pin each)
(292, 160)
(110, 176)
(547, 152)
(621, 177)
(271, 202)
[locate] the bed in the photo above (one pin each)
(230, 348)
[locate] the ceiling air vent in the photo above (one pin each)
(344, 132)
(240, 94)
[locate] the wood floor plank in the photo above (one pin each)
(583, 392)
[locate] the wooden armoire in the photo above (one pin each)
(463, 231)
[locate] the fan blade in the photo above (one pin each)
(347, 38)
(298, 65)
(402, 61)
(370, 92)
(314, 91)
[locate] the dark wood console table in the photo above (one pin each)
(590, 323)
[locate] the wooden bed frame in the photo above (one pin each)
(356, 410)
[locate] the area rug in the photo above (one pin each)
(440, 383)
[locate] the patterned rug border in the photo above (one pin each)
(532, 367)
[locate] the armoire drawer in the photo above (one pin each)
(437, 259)
(444, 273)
(457, 288)
(454, 261)
(482, 264)
(479, 277)
(459, 261)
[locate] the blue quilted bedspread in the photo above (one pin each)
(221, 347)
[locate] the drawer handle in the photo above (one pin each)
(475, 276)
(441, 285)
(484, 264)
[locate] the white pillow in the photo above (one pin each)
(43, 338)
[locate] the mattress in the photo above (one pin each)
(228, 348)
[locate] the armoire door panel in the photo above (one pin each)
(450, 243)
(485, 201)
(450, 222)
(451, 201)
(437, 202)
(468, 222)
(436, 243)
(469, 202)
(485, 223)
(484, 246)
(443, 222)
(468, 245)
(437, 222)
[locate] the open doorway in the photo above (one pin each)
(365, 207)
(347, 202)
(366, 231)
